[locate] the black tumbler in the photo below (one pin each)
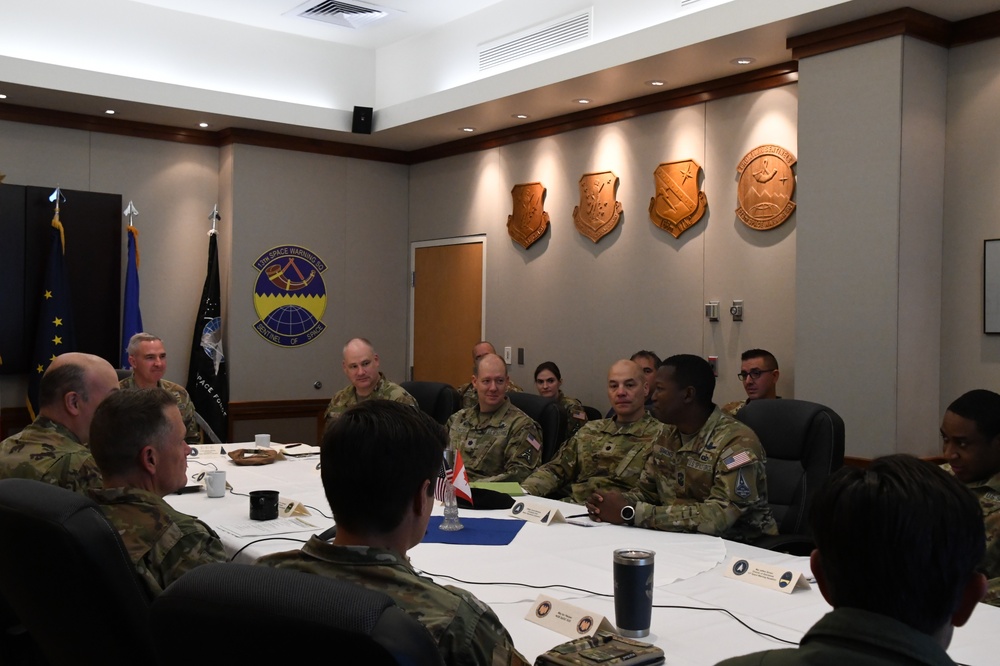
(633, 591)
(263, 504)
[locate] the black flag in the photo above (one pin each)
(208, 376)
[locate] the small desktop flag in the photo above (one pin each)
(459, 479)
(208, 374)
(54, 333)
(131, 315)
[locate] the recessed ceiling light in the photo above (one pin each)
(202, 125)
(468, 129)
(655, 82)
(110, 112)
(582, 101)
(520, 116)
(3, 96)
(742, 61)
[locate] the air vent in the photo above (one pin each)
(348, 15)
(535, 40)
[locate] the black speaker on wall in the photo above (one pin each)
(362, 120)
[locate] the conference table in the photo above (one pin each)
(689, 578)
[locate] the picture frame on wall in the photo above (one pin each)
(991, 286)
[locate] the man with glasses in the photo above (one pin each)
(759, 374)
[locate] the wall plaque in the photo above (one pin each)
(289, 296)
(678, 203)
(528, 221)
(599, 210)
(764, 193)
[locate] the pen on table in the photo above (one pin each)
(578, 515)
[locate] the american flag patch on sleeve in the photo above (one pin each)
(740, 459)
(534, 442)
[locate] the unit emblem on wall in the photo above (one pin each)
(289, 296)
(599, 210)
(528, 221)
(764, 193)
(678, 203)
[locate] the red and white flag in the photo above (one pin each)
(461, 479)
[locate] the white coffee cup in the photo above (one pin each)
(215, 483)
(262, 441)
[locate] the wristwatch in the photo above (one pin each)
(628, 514)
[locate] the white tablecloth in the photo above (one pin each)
(688, 572)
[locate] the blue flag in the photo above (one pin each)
(131, 315)
(54, 334)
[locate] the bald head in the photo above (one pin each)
(627, 391)
(481, 349)
(490, 382)
(72, 387)
(361, 366)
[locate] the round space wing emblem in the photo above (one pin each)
(289, 296)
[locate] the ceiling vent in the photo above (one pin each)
(347, 14)
(536, 40)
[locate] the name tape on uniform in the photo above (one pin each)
(536, 512)
(766, 575)
(569, 620)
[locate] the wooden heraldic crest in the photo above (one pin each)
(528, 221)
(599, 210)
(678, 203)
(764, 193)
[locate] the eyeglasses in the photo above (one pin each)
(755, 374)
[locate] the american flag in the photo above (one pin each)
(444, 477)
(741, 458)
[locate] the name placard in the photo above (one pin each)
(766, 575)
(533, 512)
(206, 450)
(569, 620)
(288, 507)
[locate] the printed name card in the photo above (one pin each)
(766, 575)
(289, 507)
(566, 619)
(536, 512)
(206, 450)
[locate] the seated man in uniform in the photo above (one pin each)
(648, 361)
(759, 374)
(468, 391)
(897, 546)
(404, 447)
(605, 454)
(148, 360)
(497, 440)
(367, 382)
(970, 436)
(53, 448)
(138, 442)
(706, 475)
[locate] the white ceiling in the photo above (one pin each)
(245, 64)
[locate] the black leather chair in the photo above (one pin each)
(66, 574)
(438, 399)
(549, 417)
(804, 443)
(593, 413)
(319, 614)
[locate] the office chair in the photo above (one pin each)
(66, 574)
(549, 417)
(593, 413)
(123, 373)
(804, 443)
(435, 398)
(274, 616)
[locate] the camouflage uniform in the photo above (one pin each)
(162, 542)
(602, 455)
(988, 494)
(348, 397)
(470, 398)
(466, 630)
(714, 483)
(193, 434)
(504, 445)
(856, 637)
(47, 451)
(732, 407)
(576, 415)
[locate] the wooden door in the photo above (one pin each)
(447, 311)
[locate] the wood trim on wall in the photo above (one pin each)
(262, 410)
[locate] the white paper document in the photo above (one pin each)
(253, 528)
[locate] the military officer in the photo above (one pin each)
(759, 374)
(361, 367)
(138, 442)
(373, 537)
(706, 476)
(970, 436)
(548, 382)
(498, 441)
(605, 454)
(468, 391)
(148, 360)
(53, 448)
